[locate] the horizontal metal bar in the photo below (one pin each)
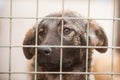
(58, 46)
(88, 18)
(96, 73)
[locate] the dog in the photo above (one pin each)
(76, 32)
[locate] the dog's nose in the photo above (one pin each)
(45, 50)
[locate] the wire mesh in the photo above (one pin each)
(11, 17)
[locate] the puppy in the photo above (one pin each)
(75, 33)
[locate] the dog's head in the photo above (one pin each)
(74, 33)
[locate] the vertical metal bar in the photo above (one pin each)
(87, 39)
(36, 40)
(112, 56)
(61, 49)
(61, 53)
(10, 39)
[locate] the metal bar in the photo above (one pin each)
(96, 73)
(87, 53)
(36, 40)
(112, 56)
(10, 39)
(61, 46)
(61, 50)
(86, 18)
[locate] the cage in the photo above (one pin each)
(18, 16)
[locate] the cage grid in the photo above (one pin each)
(88, 18)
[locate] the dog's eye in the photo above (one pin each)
(66, 31)
(41, 32)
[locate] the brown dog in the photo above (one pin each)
(74, 34)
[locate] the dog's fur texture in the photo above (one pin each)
(74, 34)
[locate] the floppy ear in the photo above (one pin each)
(97, 36)
(29, 40)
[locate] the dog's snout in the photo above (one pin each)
(45, 50)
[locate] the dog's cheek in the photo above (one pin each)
(69, 39)
(71, 54)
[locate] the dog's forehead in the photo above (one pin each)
(54, 23)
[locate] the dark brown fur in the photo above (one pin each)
(74, 33)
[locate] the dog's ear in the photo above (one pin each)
(29, 40)
(97, 36)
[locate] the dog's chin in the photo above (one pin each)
(56, 67)
(50, 67)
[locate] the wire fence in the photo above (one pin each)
(61, 46)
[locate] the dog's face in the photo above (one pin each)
(49, 33)
(74, 34)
